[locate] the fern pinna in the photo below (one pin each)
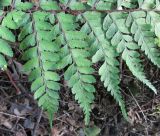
(6, 36)
(72, 36)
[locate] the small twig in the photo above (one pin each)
(9, 74)
(23, 89)
(138, 105)
(7, 130)
(11, 115)
(37, 123)
(24, 132)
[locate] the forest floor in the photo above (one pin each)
(20, 115)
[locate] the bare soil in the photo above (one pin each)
(20, 115)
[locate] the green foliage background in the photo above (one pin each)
(73, 35)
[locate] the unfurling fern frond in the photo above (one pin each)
(109, 70)
(75, 55)
(41, 53)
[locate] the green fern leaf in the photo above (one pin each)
(102, 4)
(23, 5)
(5, 3)
(153, 18)
(119, 35)
(6, 36)
(127, 4)
(41, 61)
(144, 35)
(49, 5)
(133, 62)
(75, 55)
(15, 19)
(109, 71)
(149, 4)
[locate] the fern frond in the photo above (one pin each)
(119, 36)
(19, 5)
(109, 71)
(74, 4)
(153, 18)
(148, 4)
(115, 29)
(5, 3)
(102, 4)
(15, 19)
(6, 37)
(144, 35)
(127, 3)
(132, 60)
(75, 56)
(93, 35)
(41, 56)
(9, 21)
(49, 5)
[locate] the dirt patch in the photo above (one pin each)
(19, 114)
